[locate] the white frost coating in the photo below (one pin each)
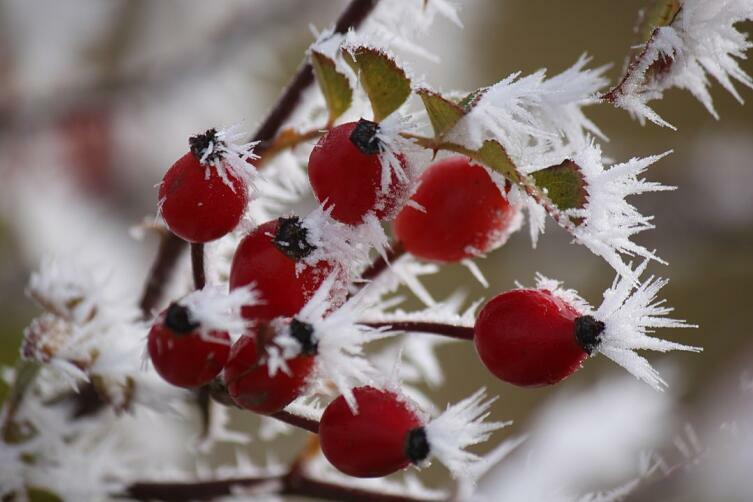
(339, 243)
(404, 22)
(467, 489)
(214, 309)
(392, 145)
(283, 187)
(406, 270)
(230, 156)
(701, 41)
(609, 221)
(340, 356)
(630, 313)
(535, 119)
(459, 426)
(569, 296)
(475, 271)
(536, 212)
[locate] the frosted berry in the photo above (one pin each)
(345, 172)
(267, 257)
(196, 203)
(247, 374)
(464, 213)
(384, 436)
(531, 337)
(180, 354)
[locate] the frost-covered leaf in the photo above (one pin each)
(385, 83)
(494, 156)
(607, 222)
(443, 113)
(334, 85)
(686, 42)
(564, 184)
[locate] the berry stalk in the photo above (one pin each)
(435, 328)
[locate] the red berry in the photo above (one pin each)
(532, 337)
(260, 260)
(180, 354)
(465, 213)
(248, 381)
(196, 203)
(345, 172)
(376, 441)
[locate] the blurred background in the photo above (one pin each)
(97, 100)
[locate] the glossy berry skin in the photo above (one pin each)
(371, 443)
(248, 381)
(349, 180)
(187, 359)
(465, 213)
(258, 260)
(197, 208)
(527, 337)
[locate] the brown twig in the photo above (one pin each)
(170, 249)
(294, 483)
(197, 265)
(299, 421)
(435, 328)
(353, 15)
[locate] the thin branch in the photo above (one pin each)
(171, 246)
(299, 421)
(434, 328)
(288, 138)
(294, 483)
(170, 249)
(353, 15)
(197, 265)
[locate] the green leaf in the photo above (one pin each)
(26, 372)
(443, 113)
(334, 85)
(41, 495)
(494, 156)
(564, 184)
(385, 83)
(470, 101)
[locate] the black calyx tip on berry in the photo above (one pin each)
(291, 238)
(201, 142)
(588, 332)
(417, 445)
(303, 332)
(364, 136)
(178, 319)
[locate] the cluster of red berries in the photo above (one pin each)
(456, 212)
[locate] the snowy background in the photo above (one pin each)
(97, 100)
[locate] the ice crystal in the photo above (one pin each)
(630, 311)
(459, 426)
(701, 41)
(215, 309)
(533, 117)
(226, 152)
(340, 338)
